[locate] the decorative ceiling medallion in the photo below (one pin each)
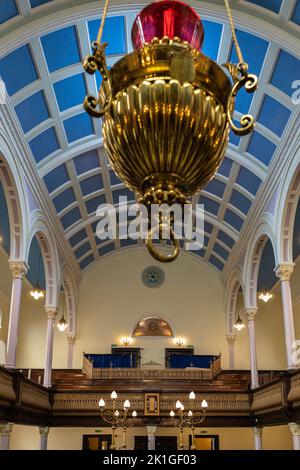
(153, 276)
(152, 326)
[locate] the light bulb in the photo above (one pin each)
(126, 404)
(204, 404)
(172, 414)
(62, 325)
(113, 395)
(239, 325)
(182, 407)
(178, 404)
(192, 396)
(101, 403)
(190, 413)
(117, 413)
(134, 414)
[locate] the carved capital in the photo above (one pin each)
(44, 431)
(284, 271)
(6, 429)
(295, 429)
(51, 312)
(151, 430)
(18, 269)
(250, 313)
(71, 338)
(230, 339)
(258, 432)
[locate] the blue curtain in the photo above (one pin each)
(102, 361)
(181, 362)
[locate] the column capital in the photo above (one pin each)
(18, 269)
(257, 431)
(250, 313)
(231, 339)
(71, 338)
(295, 429)
(6, 429)
(151, 429)
(44, 430)
(51, 312)
(284, 271)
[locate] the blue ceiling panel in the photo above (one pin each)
(216, 262)
(215, 187)
(37, 3)
(248, 180)
(208, 228)
(128, 242)
(92, 204)
(98, 240)
(274, 115)
(8, 10)
(286, 71)
(91, 184)
(261, 148)
(86, 161)
(200, 253)
(17, 69)
(44, 144)
(273, 5)
(240, 201)
(106, 249)
(78, 127)
(56, 178)
(70, 91)
(220, 251)
(78, 237)
(254, 52)
(4, 222)
(223, 237)
(123, 193)
(206, 240)
(225, 167)
(86, 262)
(113, 33)
(61, 48)
(82, 250)
(113, 178)
(234, 220)
(212, 36)
(64, 199)
(36, 272)
(70, 218)
(209, 205)
(32, 111)
(296, 13)
(233, 138)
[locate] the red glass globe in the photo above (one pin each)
(167, 18)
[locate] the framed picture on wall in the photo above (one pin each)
(152, 404)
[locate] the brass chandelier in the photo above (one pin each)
(167, 108)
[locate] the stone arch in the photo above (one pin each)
(71, 299)
(232, 290)
(13, 185)
(50, 260)
(286, 211)
(254, 252)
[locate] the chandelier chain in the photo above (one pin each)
(233, 32)
(100, 32)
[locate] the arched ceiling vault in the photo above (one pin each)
(42, 70)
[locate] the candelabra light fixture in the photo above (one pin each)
(117, 418)
(239, 324)
(167, 109)
(179, 342)
(188, 419)
(125, 341)
(265, 295)
(62, 325)
(37, 293)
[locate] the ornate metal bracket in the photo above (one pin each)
(160, 256)
(241, 78)
(97, 107)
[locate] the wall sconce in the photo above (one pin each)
(125, 341)
(179, 342)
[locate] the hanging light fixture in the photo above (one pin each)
(167, 108)
(265, 295)
(37, 293)
(239, 324)
(62, 325)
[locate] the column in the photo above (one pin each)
(71, 338)
(231, 341)
(295, 430)
(5, 432)
(250, 315)
(258, 438)
(18, 270)
(51, 314)
(283, 272)
(44, 432)
(151, 430)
